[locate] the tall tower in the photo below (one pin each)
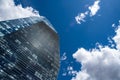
(29, 49)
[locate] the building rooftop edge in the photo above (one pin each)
(5, 26)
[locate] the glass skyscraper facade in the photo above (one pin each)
(29, 49)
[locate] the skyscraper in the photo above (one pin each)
(29, 49)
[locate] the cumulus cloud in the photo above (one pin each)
(102, 63)
(92, 10)
(117, 38)
(8, 10)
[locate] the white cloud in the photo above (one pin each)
(81, 76)
(69, 71)
(102, 63)
(117, 37)
(113, 25)
(94, 8)
(64, 57)
(80, 17)
(8, 10)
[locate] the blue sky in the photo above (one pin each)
(74, 36)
